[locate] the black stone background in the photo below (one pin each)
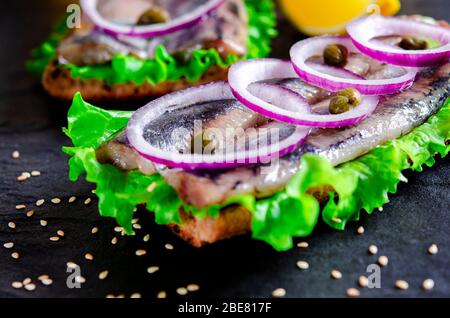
(30, 122)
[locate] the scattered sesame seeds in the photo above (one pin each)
(30, 287)
(20, 206)
(380, 209)
(279, 292)
(42, 277)
(302, 265)
(40, 202)
(152, 269)
(303, 244)
(373, 249)
(110, 296)
(193, 287)
(135, 220)
(162, 294)
(43, 222)
(15, 255)
(72, 199)
(135, 295)
(94, 230)
(433, 249)
(26, 281)
(137, 226)
(89, 256)
(118, 229)
(35, 173)
(169, 247)
(21, 178)
(363, 281)
(383, 260)
(353, 292)
(11, 225)
(336, 220)
(336, 274)
(151, 187)
(80, 279)
(47, 281)
(60, 233)
(103, 274)
(56, 200)
(15, 154)
(114, 240)
(182, 291)
(141, 252)
(26, 174)
(428, 284)
(146, 238)
(30, 213)
(54, 238)
(87, 201)
(402, 284)
(8, 245)
(360, 230)
(71, 265)
(17, 285)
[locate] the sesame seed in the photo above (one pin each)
(15, 255)
(54, 238)
(110, 296)
(35, 173)
(162, 294)
(20, 206)
(60, 233)
(17, 285)
(71, 265)
(303, 244)
(151, 187)
(402, 284)
(182, 291)
(89, 256)
(30, 213)
(103, 274)
(114, 240)
(141, 252)
(87, 201)
(135, 220)
(433, 249)
(42, 277)
(135, 295)
(8, 245)
(353, 292)
(26, 174)
(383, 261)
(336, 274)
(40, 202)
(118, 229)
(169, 247)
(72, 199)
(15, 154)
(336, 220)
(94, 230)
(363, 281)
(428, 284)
(146, 238)
(193, 287)
(360, 230)
(302, 265)
(56, 200)
(380, 209)
(26, 281)
(279, 292)
(373, 249)
(21, 178)
(12, 225)
(120, 296)
(80, 279)
(47, 282)
(152, 269)
(43, 222)
(30, 287)
(137, 226)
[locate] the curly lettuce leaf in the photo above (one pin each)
(164, 66)
(362, 184)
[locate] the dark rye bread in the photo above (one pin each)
(59, 83)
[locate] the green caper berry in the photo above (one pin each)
(339, 105)
(335, 55)
(353, 95)
(412, 43)
(153, 15)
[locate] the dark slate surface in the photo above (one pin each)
(30, 122)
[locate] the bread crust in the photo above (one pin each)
(60, 84)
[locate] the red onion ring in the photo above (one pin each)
(200, 94)
(364, 30)
(305, 49)
(159, 29)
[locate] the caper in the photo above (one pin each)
(335, 55)
(339, 105)
(353, 95)
(412, 43)
(154, 15)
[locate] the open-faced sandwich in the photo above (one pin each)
(282, 142)
(137, 49)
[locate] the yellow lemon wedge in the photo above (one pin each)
(317, 17)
